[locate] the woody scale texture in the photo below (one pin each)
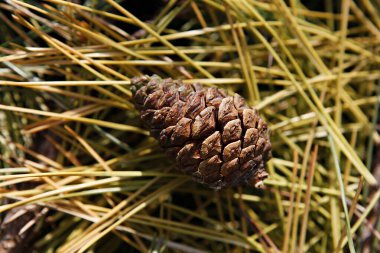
(217, 139)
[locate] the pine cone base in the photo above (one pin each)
(215, 138)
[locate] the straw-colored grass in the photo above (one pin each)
(73, 151)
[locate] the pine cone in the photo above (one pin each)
(214, 137)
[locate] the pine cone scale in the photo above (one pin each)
(232, 131)
(204, 123)
(232, 151)
(212, 145)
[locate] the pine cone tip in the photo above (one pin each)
(257, 180)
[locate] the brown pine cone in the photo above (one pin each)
(214, 137)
